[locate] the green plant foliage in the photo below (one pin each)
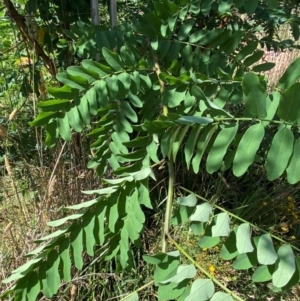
(168, 89)
(247, 149)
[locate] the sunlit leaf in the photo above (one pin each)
(203, 213)
(266, 253)
(247, 149)
(201, 290)
(243, 239)
(285, 266)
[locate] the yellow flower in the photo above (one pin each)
(211, 269)
(265, 203)
(284, 227)
(290, 198)
(293, 237)
(204, 249)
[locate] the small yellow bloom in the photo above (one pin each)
(290, 198)
(211, 269)
(284, 227)
(265, 203)
(204, 249)
(293, 237)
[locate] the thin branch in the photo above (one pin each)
(203, 271)
(20, 21)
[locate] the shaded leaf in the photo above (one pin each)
(183, 272)
(190, 200)
(254, 95)
(113, 59)
(289, 108)
(203, 213)
(279, 153)
(290, 76)
(219, 147)
(263, 273)
(293, 170)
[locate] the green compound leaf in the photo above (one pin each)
(220, 296)
(247, 149)
(254, 95)
(202, 143)
(80, 71)
(266, 253)
(53, 105)
(251, 6)
(74, 82)
(194, 119)
(166, 268)
(52, 273)
(183, 272)
(229, 249)
(221, 226)
(190, 144)
(113, 59)
(43, 118)
(181, 215)
(279, 153)
(290, 76)
(243, 239)
(245, 261)
(33, 286)
(64, 92)
(285, 266)
(88, 226)
(293, 170)
(263, 273)
(232, 43)
(248, 49)
(75, 119)
(263, 67)
(219, 148)
(289, 109)
(65, 260)
(190, 200)
(127, 57)
(177, 139)
(201, 290)
(272, 108)
(208, 241)
(64, 128)
(203, 213)
(76, 240)
(185, 29)
(255, 57)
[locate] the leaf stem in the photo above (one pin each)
(169, 204)
(158, 71)
(239, 218)
(254, 119)
(137, 290)
(195, 263)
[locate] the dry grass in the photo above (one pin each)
(32, 195)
